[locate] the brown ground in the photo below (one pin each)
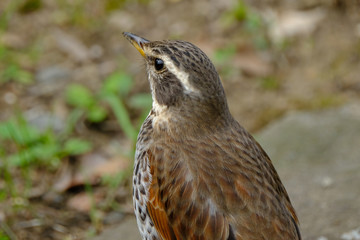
(316, 66)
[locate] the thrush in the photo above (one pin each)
(198, 174)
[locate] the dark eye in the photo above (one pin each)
(159, 64)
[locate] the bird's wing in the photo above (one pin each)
(267, 208)
(175, 212)
(224, 200)
(156, 208)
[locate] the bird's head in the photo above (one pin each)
(182, 78)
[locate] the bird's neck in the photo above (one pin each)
(179, 121)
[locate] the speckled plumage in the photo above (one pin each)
(198, 174)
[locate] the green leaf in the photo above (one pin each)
(75, 146)
(122, 116)
(71, 121)
(19, 131)
(141, 101)
(118, 83)
(3, 196)
(15, 73)
(96, 114)
(30, 6)
(3, 236)
(79, 96)
(240, 11)
(223, 54)
(46, 153)
(41, 153)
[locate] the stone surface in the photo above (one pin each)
(126, 230)
(317, 155)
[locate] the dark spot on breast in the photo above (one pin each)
(187, 53)
(146, 138)
(139, 177)
(142, 189)
(148, 124)
(138, 163)
(137, 195)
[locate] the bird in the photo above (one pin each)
(198, 174)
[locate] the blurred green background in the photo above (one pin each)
(73, 91)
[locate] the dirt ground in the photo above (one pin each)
(273, 57)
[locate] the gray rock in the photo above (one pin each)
(113, 218)
(44, 120)
(127, 229)
(50, 80)
(317, 155)
(52, 73)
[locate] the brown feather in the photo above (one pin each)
(156, 208)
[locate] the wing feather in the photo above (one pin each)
(156, 208)
(180, 213)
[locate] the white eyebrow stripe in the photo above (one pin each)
(181, 75)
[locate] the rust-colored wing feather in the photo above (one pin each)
(176, 209)
(156, 209)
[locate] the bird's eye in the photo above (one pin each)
(159, 64)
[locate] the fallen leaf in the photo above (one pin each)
(64, 179)
(89, 169)
(252, 64)
(83, 201)
(93, 166)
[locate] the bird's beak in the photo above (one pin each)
(137, 41)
